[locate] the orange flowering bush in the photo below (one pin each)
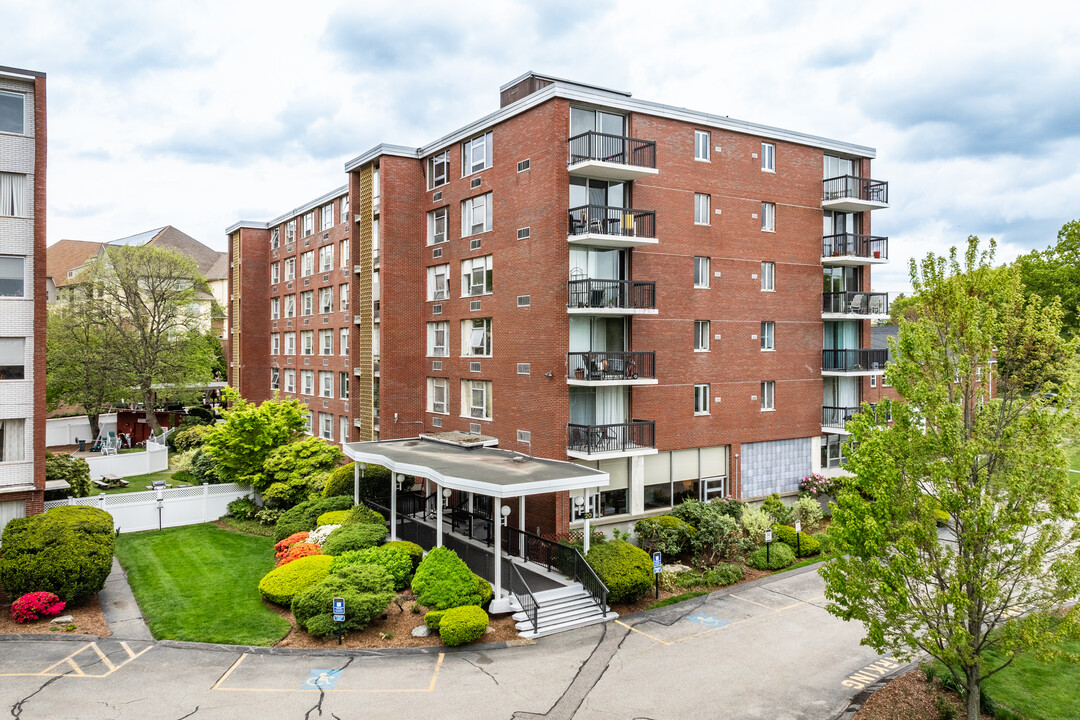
(288, 542)
(298, 551)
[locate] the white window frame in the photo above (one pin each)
(326, 348)
(327, 216)
(768, 395)
(343, 341)
(438, 285)
(326, 384)
(476, 154)
(307, 382)
(873, 381)
(436, 225)
(290, 306)
(768, 276)
(701, 399)
(307, 342)
(343, 251)
(471, 391)
(476, 276)
(307, 303)
(14, 195)
(439, 161)
(344, 204)
(275, 238)
(290, 232)
(343, 385)
(768, 217)
(275, 343)
(275, 273)
(326, 426)
(290, 269)
(768, 157)
(289, 380)
(309, 224)
(307, 263)
(21, 276)
(701, 272)
(701, 145)
(275, 308)
(326, 258)
(437, 387)
(22, 98)
(476, 335)
(343, 297)
(768, 335)
(326, 300)
(290, 343)
(438, 346)
(701, 336)
(702, 204)
(275, 378)
(470, 207)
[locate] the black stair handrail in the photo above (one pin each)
(558, 557)
(515, 584)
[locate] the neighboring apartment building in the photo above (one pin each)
(22, 292)
(676, 298)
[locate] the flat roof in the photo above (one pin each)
(479, 469)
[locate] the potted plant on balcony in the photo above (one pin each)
(579, 373)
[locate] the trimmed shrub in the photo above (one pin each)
(288, 542)
(334, 517)
(375, 482)
(755, 522)
(188, 438)
(364, 515)
(204, 468)
(321, 533)
(824, 541)
(313, 607)
(66, 551)
(484, 588)
(305, 516)
(281, 584)
(297, 551)
(806, 545)
(462, 625)
(666, 533)
(777, 509)
(732, 508)
(807, 510)
(67, 467)
(36, 605)
(395, 560)
(444, 581)
(414, 551)
(243, 508)
(433, 618)
(717, 531)
(624, 568)
(724, 574)
(779, 556)
(354, 537)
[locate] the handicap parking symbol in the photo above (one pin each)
(707, 620)
(321, 679)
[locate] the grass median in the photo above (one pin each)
(200, 583)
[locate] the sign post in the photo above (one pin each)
(656, 571)
(339, 617)
(768, 541)
(798, 539)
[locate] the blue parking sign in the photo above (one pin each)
(656, 563)
(339, 606)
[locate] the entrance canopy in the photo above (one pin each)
(475, 466)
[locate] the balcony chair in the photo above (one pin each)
(856, 306)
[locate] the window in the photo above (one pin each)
(343, 385)
(476, 337)
(290, 231)
(326, 426)
(12, 280)
(12, 113)
(307, 342)
(701, 272)
(275, 379)
(873, 379)
(13, 200)
(326, 258)
(345, 209)
(343, 252)
(290, 380)
(438, 170)
(768, 277)
(275, 273)
(701, 209)
(476, 215)
(12, 440)
(437, 395)
(767, 331)
(326, 342)
(275, 343)
(438, 284)
(476, 399)
(307, 382)
(701, 335)
(290, 343)
(307, 263)
(376, 187)
(701, 399)
(307, 422)
(438, 339)
(12, 358)
(275, 238)
(275, 308)
(343, 297)
(768, 391)
(436, 226)
(327, 216)
(326, 300)
(307, 302)
(476, 154)
(768, 157)
(476, 276)
(343, 341)
(326, 384)
(290, 306)
(768, 217)
(290, 268)
(701, 145)
(832, 451)
(309, 224)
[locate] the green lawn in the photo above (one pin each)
(1039, 690)
(136, 483)
(200, 583)
(1074, 457)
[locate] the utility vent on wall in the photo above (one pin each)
(436, 309)
(436, 364)
(523, 368)
(523, 165)
(524, 300)
(436, 197)
(437, 252)
(474, 183)
(474, 367)
(436, 422)
(307, 281)
(474, 244)
(326, 403)
(474, 305)
(474, 428)
(307, 243)
(523, 233)
(326, 277)
(524, 436)
(326, 236)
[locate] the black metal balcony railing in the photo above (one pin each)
(623, 294)
(611, 365)
(613, 149)
(852, 186)
(861, 359)
(607, 220)
(855, 303)
(864, 246)
(616, 437)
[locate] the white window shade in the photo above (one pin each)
(13, 196)
(12, 440)
(684, 465)
(12, 351)
(658, 469)
(619, 472)
(714, 461)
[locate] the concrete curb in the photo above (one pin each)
(863, 695)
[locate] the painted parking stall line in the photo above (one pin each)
(92, 660)
(870, 673)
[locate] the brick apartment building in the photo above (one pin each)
(676, 298)
(22, 292)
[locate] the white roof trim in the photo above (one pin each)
(380, 149)
(321, 200)
(246, 224)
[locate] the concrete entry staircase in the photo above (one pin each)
(562, 609)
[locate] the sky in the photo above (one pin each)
(198, 114)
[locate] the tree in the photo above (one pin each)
(84, 367)
(994, 463)
(1055, 272)
(241, 444)
(292, 472)
(150, 298)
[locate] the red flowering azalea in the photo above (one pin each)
(288, 542)
(32, 606)
(298, 551)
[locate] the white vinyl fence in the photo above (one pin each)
(136, 511)
(154, 459)
(65, 431)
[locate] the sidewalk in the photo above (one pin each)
(121, 611)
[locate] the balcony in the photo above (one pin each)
(852, 249)
(849, 193)
(834, 419)
(854, 362)
(611, 368)
(610, 297)
(846, 305)
(601, 442)
(611, 157)
(612, 227)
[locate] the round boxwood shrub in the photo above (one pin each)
(66, 551)
(334, 517)
(724, 574)
(824, 541)
(375, 482)
(484, 588)
(806, 545)
(364, 515)
(281, 584)
(395, 560)
(624, 568)
(414, 551)
(444, 581)
(433, 618)
(666, 533)
(462, 625)
(779, 555)
(305, 516)
(366, 590)
(354, 537)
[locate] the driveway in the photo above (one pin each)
(762, 650)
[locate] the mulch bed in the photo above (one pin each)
(910, 697)
(88, 619)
